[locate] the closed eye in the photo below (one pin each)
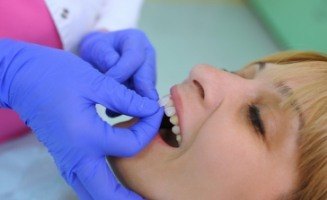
(255, 119)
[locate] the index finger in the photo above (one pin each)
(133, 54)
(145, 78)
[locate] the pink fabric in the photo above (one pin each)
(10, 125)
(28, 21)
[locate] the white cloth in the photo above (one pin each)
(75, 18)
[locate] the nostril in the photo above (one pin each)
(200, 88)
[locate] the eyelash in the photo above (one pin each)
(254, 115)
(255, 119)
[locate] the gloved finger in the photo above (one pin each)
(102, 56)
(100, 182)
(145, 77)
(79, 189)
(130, 85)
(99, 53)
(119, 99)
(133, 54)
(123, 142)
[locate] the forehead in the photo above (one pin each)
(269, 73)
(258, 68)
(261, 66)
(259, 71)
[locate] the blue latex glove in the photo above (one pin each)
(54, 92)
(127, 56)
(123, 55)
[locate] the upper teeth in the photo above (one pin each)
(170, 111)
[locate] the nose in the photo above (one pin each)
(214, 85)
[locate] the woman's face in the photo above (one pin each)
(237, 142)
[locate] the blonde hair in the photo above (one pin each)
(312, 98)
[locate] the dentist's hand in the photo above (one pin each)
(54, 92)
(126, 56)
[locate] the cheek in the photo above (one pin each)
(225, 156)
(222, 148)
(193, 116)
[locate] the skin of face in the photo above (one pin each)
(222, 155)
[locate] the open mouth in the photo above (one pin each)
(166, 133)
(169, 129)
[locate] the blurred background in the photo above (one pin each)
(228, 33)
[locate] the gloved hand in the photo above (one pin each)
(54, 92)
(127, 56)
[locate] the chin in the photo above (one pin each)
(132, 173)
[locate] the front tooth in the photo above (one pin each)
(174, 120)
(179, 139)
(170, 111)
(166, 101)
(176, 130)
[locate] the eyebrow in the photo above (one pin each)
(286, 91)
(262, 65)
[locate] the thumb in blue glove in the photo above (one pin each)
(55, 94)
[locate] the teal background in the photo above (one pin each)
(295, 24)
(223, 33)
